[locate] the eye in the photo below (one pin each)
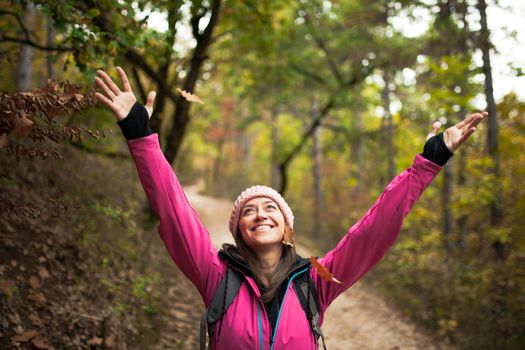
(247, 211)
(271, 206)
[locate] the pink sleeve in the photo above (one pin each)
(368, 240)
(187, 241)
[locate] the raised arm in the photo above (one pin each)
(184, 236)
(368, 240)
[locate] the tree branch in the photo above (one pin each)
(308, 74)
(19, 20)
(133, 57)
(322, 46)
(35, 45)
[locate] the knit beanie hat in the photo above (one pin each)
(254, 192)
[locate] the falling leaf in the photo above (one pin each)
(43, 273)
(34, 282)
(109, 341)
(95, 341)
(22, 125)
(41, 343)
(189, 96)
(25, 337)
(323, 271)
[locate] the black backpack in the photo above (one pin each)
(303, 286)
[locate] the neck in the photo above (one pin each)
(269, 258)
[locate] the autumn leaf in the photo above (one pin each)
(36, 320)
(189, 96)
(22, 125)
(43, 273)
(323, 271)
(6, 288)
(34, 282)
(109, 342)
(25, 337)
(95, 341)
(41, 343)
(38, 298)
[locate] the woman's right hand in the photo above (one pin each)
(120, 102)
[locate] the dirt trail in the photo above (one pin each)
(358, 319)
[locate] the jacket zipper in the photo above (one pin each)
(272, 339)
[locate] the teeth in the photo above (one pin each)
(261, 227)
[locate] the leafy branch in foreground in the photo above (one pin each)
(31, 115)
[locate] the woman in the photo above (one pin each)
(266, 312)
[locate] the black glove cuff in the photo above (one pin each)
(136, 123)
(436, 150)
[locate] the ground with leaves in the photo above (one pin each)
(90, 272)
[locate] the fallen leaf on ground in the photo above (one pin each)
(38, 298)
(323, 271)
(36, 320)
(34, 282)
(14, 318)
(41, 343)
(6, 287)
(109, 341)
(95, 341)
(25, 337)
(43, 273)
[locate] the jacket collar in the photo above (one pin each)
(240, 265)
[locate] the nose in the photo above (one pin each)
(261, 214)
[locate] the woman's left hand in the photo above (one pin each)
(459, 133)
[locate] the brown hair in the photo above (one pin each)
(242, 252)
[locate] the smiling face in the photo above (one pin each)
(261, 223)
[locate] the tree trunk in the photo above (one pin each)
(462, 180)
(274, 135)
(448, 218)
(316, 173)
(181, 116)
(24, 71)
(496, 212)
(357, 149)
(50, 43)
(389, 129)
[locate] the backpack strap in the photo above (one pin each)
(307, 294)
(223, 298)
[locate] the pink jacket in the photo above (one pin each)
(245, 324)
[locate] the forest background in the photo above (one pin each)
(324, 100)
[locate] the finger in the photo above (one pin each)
(435, 128)
(124, 79)
(150, 100)
(104, 87)
(109, 82)
(472, 122)
(105, 101)
(465, 121)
